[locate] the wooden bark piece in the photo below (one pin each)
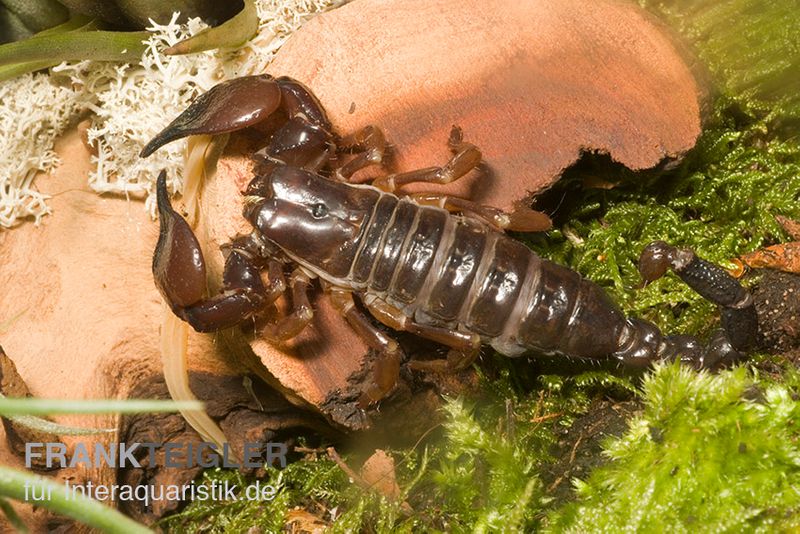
(78, 308)
(80, 318)
(378, 473)
(533, 84)
(18, 435)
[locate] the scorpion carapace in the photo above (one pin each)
(433, 265)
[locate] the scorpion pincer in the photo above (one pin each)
(436, 266)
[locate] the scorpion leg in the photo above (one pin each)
(739, 331)
(371, 145)
(464, 347)
(386, 368)
(180, 275)
(466, 157)
(520, 220)
(291, 325)
(457, 360)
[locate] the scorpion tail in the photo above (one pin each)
(642, 342)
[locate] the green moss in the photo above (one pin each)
(302, 484)
(721, 201)
(750, 48)
(225, 516)
(710, 453)
(484, 480)
(480, 473)
(704, 455)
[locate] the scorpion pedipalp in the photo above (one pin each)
(227, 107)
(304, 139)
(178, 266)
(180, 274)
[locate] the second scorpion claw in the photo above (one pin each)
(180, 274)
(178, 266)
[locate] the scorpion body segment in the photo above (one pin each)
(456, 273)
(433, 265)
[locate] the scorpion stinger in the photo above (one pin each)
(739, 332)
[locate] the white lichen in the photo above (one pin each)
(34, 110)
(129, 105)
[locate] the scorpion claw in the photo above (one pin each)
(227, 107)
(178, 266)
(180, 274)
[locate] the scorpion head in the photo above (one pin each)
(310, 217)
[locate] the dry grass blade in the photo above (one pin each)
(201, 156)
(174, 350)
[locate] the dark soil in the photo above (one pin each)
(579, 447)
(777, 299)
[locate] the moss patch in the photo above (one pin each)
(711, 452)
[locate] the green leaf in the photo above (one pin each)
(76, 46)
(13, 518)
(77, 23)
(11, 27)
(8, 72)
(37, 15)
(235, 32)
(49, 427)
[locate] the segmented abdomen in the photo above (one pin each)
(452, 271)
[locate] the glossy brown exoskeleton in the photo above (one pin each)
(433, 265)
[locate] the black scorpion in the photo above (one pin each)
(436, 266)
